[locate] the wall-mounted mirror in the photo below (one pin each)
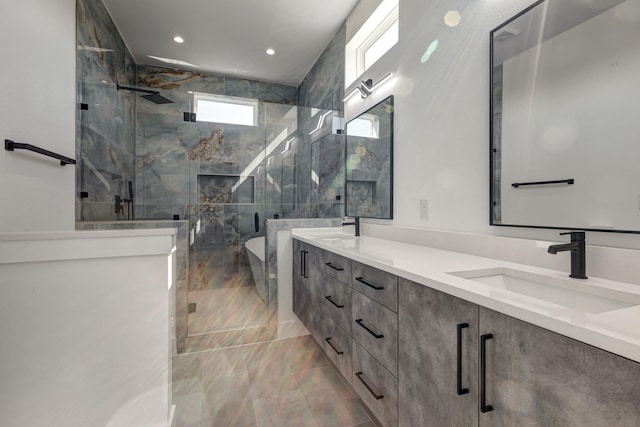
(369, 163)
(565, 130)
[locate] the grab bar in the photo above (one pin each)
(11, 145)
(569, 181)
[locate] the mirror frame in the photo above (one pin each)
(390, 99)
(493, 152)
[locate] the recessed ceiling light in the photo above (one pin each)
(270, 51)
(178, 39)
(172, 61)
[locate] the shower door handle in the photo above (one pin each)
(256, 221)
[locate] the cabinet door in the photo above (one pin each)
(539, 378)
(428, 356)
(300, 291)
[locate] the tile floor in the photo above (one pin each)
(225, 310)
(275, 384)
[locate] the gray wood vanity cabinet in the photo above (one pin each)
(328, 320)
(534, 377)
(305, 298)
(428, 384)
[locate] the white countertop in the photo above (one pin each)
(74, 245)
(617, 331)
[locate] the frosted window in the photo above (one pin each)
(366, 126)
(230, 111)
(381, 45)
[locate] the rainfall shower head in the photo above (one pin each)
(154, 96)
(157, 98)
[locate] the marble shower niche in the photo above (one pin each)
(226, 189)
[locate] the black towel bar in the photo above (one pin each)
(11, 145)
(569, 181)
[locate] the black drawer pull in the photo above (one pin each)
(328, 264)
(373, 392)
(377, 288)
(376, 335)
(333, 302)
(483, 373)
(328, 340)
(305, 273)
(459, 388)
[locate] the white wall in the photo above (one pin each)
(579, 110)
(441, 133)
(37, 106)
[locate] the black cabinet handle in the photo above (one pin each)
(302, 263)
(305, 272)
(328, 340)
(377, 288)
(483, 373)
(378, 396)
(256, 222)
(459, 388)
(376, 335)
(328, 264)
(333, 302)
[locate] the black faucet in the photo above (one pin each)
(577, 248)
(356, 222)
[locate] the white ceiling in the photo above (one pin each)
(231, 36)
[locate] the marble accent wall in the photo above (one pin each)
(323, 87)
(320, 160)
(177, 163)
(105, 135)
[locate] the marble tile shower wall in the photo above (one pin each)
(320, 165)
(105, 125)
(186, 168)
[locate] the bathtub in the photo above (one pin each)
(255, 252)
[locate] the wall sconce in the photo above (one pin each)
(367, 87)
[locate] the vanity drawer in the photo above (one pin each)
(338, 345)
(375, 327)
(376, 284)
(336, 266)
(334, 298)
(377, 388)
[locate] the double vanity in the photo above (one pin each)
(428, 337)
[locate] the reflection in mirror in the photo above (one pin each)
(564, 129)
(369, 163)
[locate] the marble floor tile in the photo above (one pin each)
(324, 379)
(271, 378)
(302, 353)
(238, 380)
(226, 362)
(288, 409)
(227, 403)
(227, 309)
(264, 385)
(188, 410)
(186, 374)
(330, 400)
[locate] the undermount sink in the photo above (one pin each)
(573, 294)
